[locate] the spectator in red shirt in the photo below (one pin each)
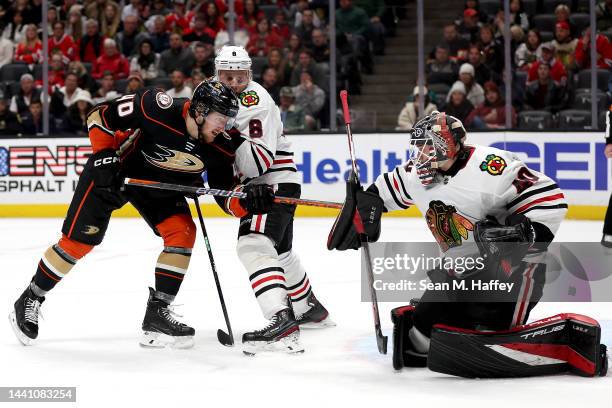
(603, 48)
(280, 26)
(213, 18)
(56, 71)
(251, 15)
(557, 70)
(62, 42)
(111, 60)
(30, 49)
(491, 114)
(261, 42)
(200, 32)
(178, 20)
(90, 46)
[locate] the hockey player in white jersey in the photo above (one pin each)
(480, 199)
(264, 165)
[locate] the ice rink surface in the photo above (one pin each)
(89, 335)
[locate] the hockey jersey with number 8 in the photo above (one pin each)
(266, 157)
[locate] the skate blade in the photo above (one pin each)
(23, 339)
(323, 324)
(289, 344)
(161, 340)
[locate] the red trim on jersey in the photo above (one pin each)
(76, 215)
(153, 120)
(397, 188)
(263, 156)
(186, 109)
(282, 161)
(266, 279)
(540, 200)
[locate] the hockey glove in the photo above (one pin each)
(504, 243)
(105, 171)
(259, 198)
(368, 205)
(234, 206)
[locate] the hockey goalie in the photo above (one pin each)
(489, 199)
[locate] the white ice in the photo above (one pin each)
(89, 335)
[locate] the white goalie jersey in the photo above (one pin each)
(487, 182)
(266, 157)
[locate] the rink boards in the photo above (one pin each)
(37, 176)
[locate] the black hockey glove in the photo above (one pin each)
(370, 206)
(105, 170)
(508, 242)
(259, 198)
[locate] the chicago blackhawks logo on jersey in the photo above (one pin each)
(448, 227)
(168, 159)
(249, 98)
(494, 165)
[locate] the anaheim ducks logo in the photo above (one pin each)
(91, 230)
(169, 159)
(494, 165)
(448, 227)
(249, 98)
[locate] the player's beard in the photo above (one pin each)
(195, 131)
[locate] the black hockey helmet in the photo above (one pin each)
(212, 95)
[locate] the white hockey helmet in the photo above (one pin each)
(232, 58)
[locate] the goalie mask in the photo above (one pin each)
(434, 140)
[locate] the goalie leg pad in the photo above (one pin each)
(405, 353)
(565, 342)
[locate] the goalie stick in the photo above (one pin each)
(381, 340)
(227, 339)
(226, 193)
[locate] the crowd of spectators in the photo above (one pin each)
(101, 49)
(465, 72)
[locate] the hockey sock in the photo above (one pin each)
(170, 270)
(53, 266)
(267, 277)
(298, 284)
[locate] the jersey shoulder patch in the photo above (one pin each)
(163, 100)
(249, 98)
(493, 164)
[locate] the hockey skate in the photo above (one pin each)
(317, 317)
(281, 334)
(161, 329)
(24, 317)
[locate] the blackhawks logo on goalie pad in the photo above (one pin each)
(249, 98)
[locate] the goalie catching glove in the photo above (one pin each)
(360, 215)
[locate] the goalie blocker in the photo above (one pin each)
(566, 342)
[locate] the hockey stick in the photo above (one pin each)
(227, 339)
(381, 340)
(226, 193)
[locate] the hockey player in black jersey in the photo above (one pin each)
(477, 201)
(147, 135)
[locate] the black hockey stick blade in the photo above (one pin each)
(381, 341)
(228, 340)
